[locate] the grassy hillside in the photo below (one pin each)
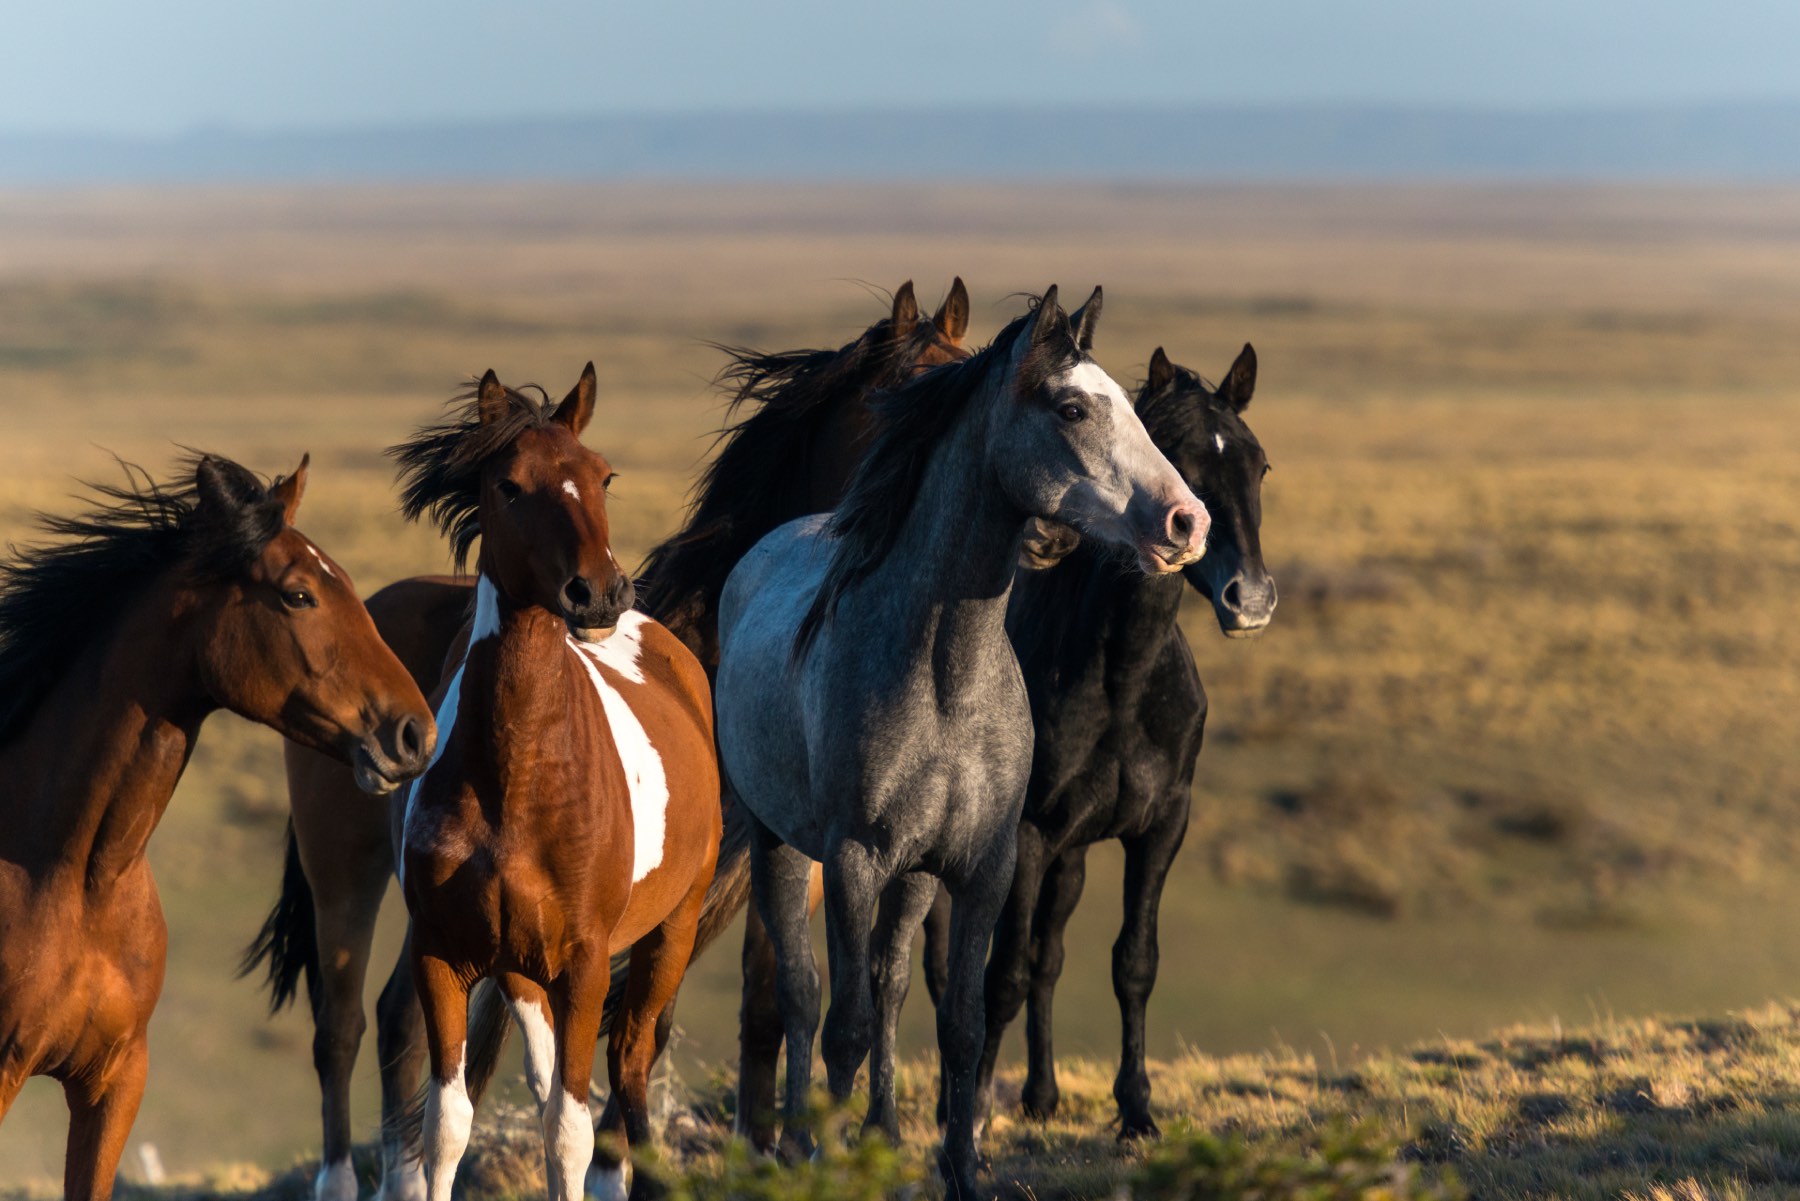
(1519, 744)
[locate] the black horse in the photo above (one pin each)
(1119, 711)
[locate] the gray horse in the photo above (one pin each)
(871, 713)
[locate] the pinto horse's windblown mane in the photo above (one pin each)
(440, 466)
(760, 476)
(58, 597)
(910, 421)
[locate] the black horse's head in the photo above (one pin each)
(1201, 430)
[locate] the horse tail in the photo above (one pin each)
(288, 941)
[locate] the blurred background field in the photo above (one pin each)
(1520, 745)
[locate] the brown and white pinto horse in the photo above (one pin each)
(153, 609)
(800, 426)
(572, 809)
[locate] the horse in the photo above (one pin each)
(871, 714)
(1119, 711)
(795, 416)
(152, 609)
(572, 808)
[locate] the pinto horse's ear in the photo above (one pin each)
(906, 312)
(1049, 317)
(490, 398)
(1161, 372)
(1084, 319)
(577, 408)
(1240, 381)
(952, 317)
(290, 488)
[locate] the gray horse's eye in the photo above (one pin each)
(1071, 412)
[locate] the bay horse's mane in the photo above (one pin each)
(759, 477)
(910, 421)
(59, 597)
(440, 466)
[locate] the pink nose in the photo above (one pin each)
(1186, 527)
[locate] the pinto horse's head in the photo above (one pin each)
(511, 469)
(281, 637)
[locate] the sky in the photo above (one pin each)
(123, 67)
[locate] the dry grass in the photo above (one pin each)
(1520, 739)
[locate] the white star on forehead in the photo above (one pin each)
(1219, 441)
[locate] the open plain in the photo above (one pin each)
(1521, 743)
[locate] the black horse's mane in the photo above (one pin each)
(910, 421)
(59, 597)
(759, 477)
(440, 466)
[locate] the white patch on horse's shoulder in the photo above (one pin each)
(1219, 441)
(570, 488)
(323, 566)
(644, 773)
(336, 1182)
(487, 611)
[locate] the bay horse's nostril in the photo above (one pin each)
(409, 740)
(578, 594)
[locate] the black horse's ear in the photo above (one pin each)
(1240, 382)
(906, 312)
(290, 488)
(1084, 319)
(1049, 317)
(577, 408)
(952, 317)
(490, 398)
(1161, 373)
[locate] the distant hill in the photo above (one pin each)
(1723, 142)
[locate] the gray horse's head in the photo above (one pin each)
(1073, 449)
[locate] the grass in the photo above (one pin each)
(1518, 745)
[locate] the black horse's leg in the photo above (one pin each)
(902, 906)
(854, 882)
(1056, 901)
(975, 906)
(1147, 861)
(1009, 963)
(759, 1036)
(780, 877)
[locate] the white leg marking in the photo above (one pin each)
(336, 1182)
(449, 1114)
(402, 1176)
(568, 1144)
(540, 1049)
(643, 765)
(610, 1183)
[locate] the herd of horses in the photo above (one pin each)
(928, 595)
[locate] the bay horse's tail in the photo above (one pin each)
(288, 941)
(488, 1016)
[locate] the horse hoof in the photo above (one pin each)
(1133, 1129)
(402, 1179)
(609, 1182)
(1039, 1106)
(335, 1182)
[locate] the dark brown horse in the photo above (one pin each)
(799, 427)
(153, 609)
(572, 809)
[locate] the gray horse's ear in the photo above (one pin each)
(490, 398)
(1161, 372)
(952, 317)
(906, 311)
(1240, 382)
(290, 488)
(1084, 319)
(577, 408)
(1049, 317)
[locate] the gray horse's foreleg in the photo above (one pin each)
(903, 906)
(853, 885)
(1009, 963)
(1147, 861)
(779, 878)
(1056, 902)
(975, 906)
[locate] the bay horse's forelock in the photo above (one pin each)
(159, 606)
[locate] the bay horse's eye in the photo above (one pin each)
(1071, 413)
(606, 484)
(508, 488)
(299, 598)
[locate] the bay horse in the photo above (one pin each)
(157, 606)
(572, 808)
(1119, 711)
(798, 424)
(871, 713)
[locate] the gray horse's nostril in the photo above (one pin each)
(1181, 525)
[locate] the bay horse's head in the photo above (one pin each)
(1077, 453)
(281, 637)
(1201, 429)
(511, 468)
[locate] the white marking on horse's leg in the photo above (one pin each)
(335, 1182)
(540, 1048)
(610, 1183)
(449, 1114)
(570, 488)
(402, 1176)
(568, 1144)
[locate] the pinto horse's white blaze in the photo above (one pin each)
(568, 1143)
(335, 1182)
(540, 1048)
(449, 1115)
(644, 773)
